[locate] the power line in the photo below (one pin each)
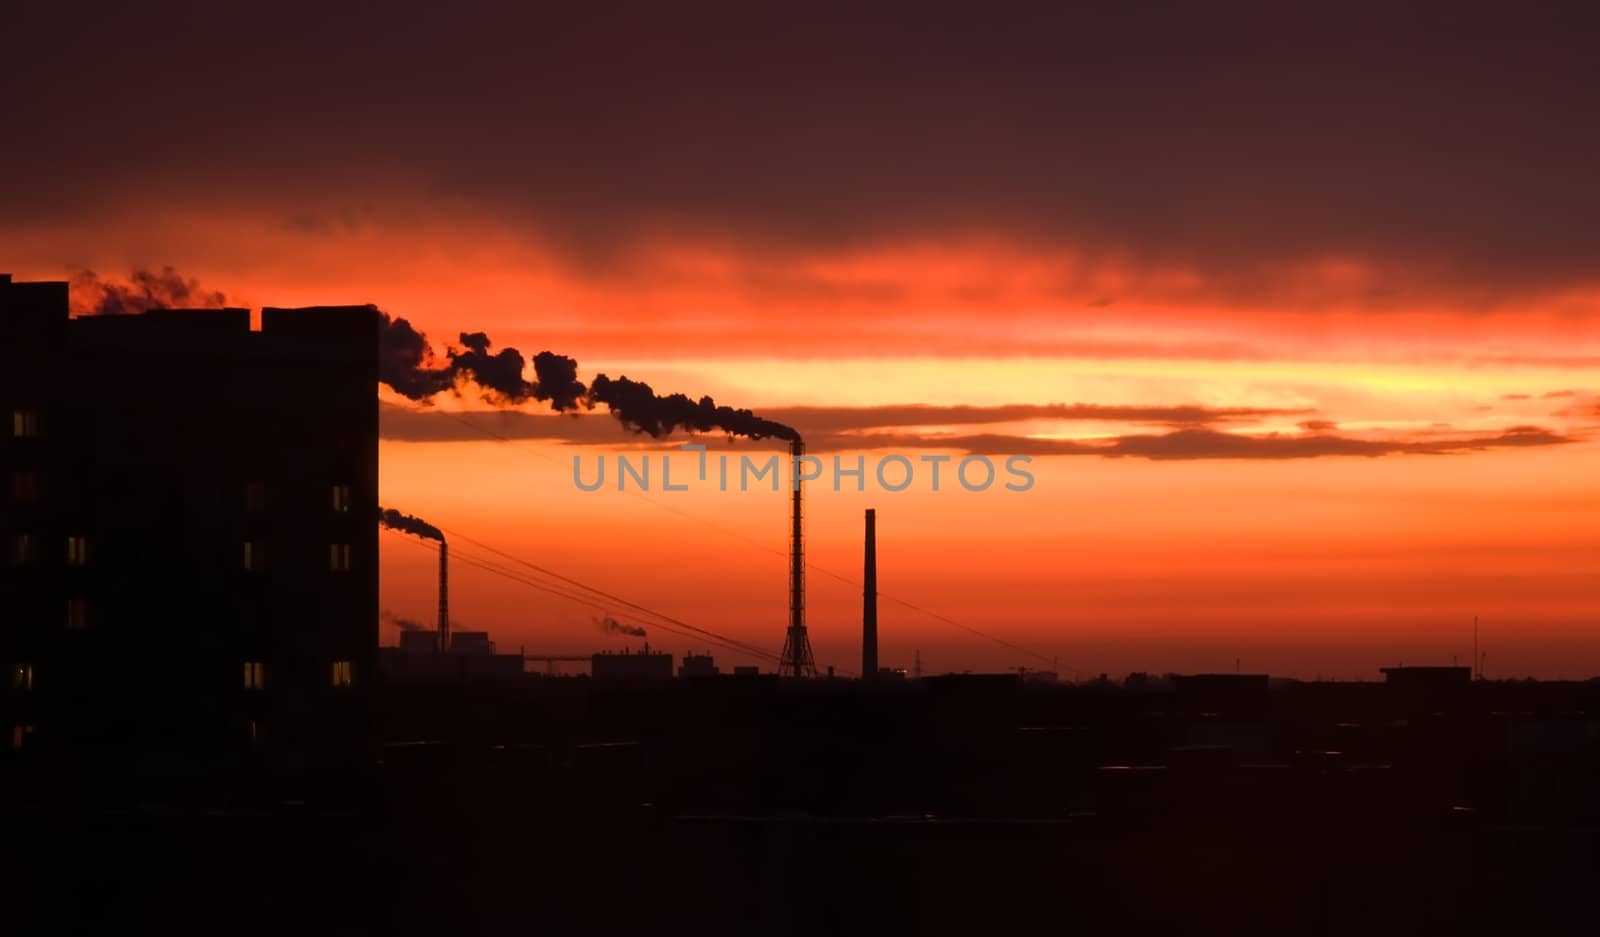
(754, 649)
(671, 621)
(672, 625)
(585, 600)
(749, 540)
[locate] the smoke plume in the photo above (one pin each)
(405, 523)
(611, 626)
(408, 365)
(405, 624)
(406, 362)
(644, 411)
(144, 289)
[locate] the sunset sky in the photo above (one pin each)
(1298, 316)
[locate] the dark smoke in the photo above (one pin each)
(644, 411)
(557, 380)
(404, 361)
(611, 626)
(389, 517)
(144, 290)
(407, 364)
(405, 624)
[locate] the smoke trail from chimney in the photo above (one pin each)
(405, 523)
(144, 289)
(611, 626)
(642, 410)
(404, 624)
(408, 364)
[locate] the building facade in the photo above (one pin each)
(190, 523)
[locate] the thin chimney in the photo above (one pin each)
(869, 600)
(444, 598)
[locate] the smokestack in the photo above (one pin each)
(444, 597)
(797, 552)
(869, 600)
(796, 660)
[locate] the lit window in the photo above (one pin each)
(255, 674)
(77, 613)
(22, 677)
(341, 673)
(255, 496)
(24, 423)
(24, 487)
(341, 499)
(255, 555)
(21, 549)
(339, 557)
(77, 551)
(19, 735)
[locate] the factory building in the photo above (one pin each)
(189, 536)
(646, 666)
(698, 665)
(472, 657)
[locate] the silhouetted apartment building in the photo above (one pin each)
(189, 525)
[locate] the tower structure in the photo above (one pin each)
(797, 660)
(444, 598)
(869, 600)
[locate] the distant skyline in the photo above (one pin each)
(1296, 312)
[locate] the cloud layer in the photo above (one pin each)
(403, 424)
(1447, 147)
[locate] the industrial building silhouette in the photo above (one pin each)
(191, 555)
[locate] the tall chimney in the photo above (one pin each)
(444, 597)
(796, 660)
(869, 601)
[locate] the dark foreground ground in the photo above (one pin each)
(765, 810)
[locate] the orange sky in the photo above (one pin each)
(1294, 309)
(1335, 564)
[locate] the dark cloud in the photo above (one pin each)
(1189, 444)
(1318, 426)
(1198, 442)
(410, 425)
(1453, 142)
(400, 422)
(1516, 396)
(815, 420)
(325, 224)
